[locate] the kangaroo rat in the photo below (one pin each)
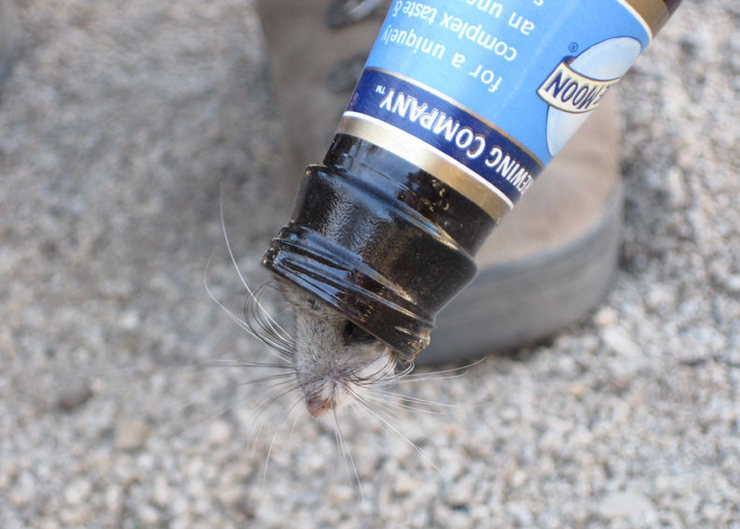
(330, 360)
(334, 359)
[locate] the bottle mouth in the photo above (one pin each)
(354, 243)
(355, 289)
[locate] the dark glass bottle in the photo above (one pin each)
(381, 240)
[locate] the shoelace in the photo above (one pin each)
(342, 13)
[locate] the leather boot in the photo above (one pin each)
(548, 263)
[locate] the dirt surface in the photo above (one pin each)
(120, 124)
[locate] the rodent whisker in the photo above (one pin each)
(395, 407)
(208, 417)
(387, 426)
(385, 372)
(261, 325)
(237, 363)
(255, 425)
(265, 320)
(403, 403)
(413, 399)
(272, 321)
(346, 453)
(443, 374)
(285, 412)
(390, 376)
(281, 377)
(276, 350)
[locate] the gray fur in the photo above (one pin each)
(331, 368)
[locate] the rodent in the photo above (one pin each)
(334, 359)
(331, 360)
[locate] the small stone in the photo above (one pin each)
(148, 515)
(161, 492)
(77, 516)
(77, 492)
(113, 499)
(659, 297)
(10, 472)
(24, 490)
(578, 390)
(49, 523)
(624, 504)
(452, 464)
(338, 495)
(676, 188)
(130, 434)
(404, 484)
(219, 432)
(605, 317)
(460, 493)
(480, 512)
(619, 341)
(130, 320)
(196, 488)
(74, 395)
(179, 505)
(713, 512)
(231, 496)
(521, 513)
(733, 283)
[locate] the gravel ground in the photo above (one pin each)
(118, 126)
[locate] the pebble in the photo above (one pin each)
(339, 495)
(148, 515)
(404, 484)
(461, 493)
(77, 492)
(620, 342)
(129, 320)
(624, 504)
(219, 432)
(231, 496)
(24, 490)
(130, 434)
(605, 317)
(161, 491)
(113, 499)
(77, 516)
(74, 395)
(659, 298)
(49, 523)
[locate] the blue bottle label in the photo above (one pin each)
(482, 94)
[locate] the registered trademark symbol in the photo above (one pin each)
(572, 47)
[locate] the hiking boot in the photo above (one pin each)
(548, 263)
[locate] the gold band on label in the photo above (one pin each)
(653, 12)
(451, 172)
(461, 107)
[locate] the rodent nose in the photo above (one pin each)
(318, 406)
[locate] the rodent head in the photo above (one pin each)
(334, 358)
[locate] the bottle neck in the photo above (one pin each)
(381, 240)
(397, 179)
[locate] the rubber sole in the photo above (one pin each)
(519, 302)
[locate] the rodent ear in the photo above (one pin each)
(311, 302)
(353, 334)
(297, 296)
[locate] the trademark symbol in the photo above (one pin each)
(380, 89)
(572, 47)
